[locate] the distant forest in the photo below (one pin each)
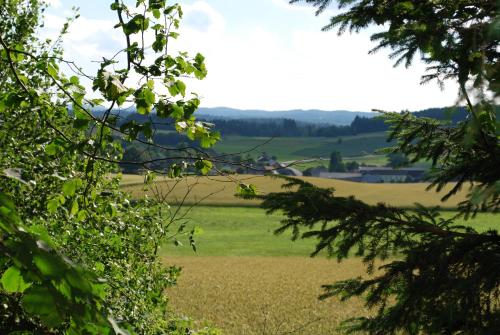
(284, 127)
(166, 135)
(292, 128)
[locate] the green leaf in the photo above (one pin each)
(69, 188)
(173, 90)
(53, 205)
(52, 149)
(169, 9)
(156, 13)
(138, 23)
(174, 171)
(76, 280)
(52, 70)
(39, 301)
(49, 265)
(181, 87)
(74, 80)
(6, 202)
(246, 190)
(41, 232)
(13, 281)
(159, 43)
(74, 208)
(203, 166)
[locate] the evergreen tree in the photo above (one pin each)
(352, 166)
(397, 160)
(336, 164)
(437, 277)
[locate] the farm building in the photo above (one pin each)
(351, 176)
(379, 175)
(390, 175)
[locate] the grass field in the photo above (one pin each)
(245, 280)
(295, 148)
(240, 281)
(247, 231)
(220, 190)
(378, 160)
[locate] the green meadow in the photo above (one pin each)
(297, 148)
(248, 231)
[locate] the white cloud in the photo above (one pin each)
(285, 4)
(259, 68)
(213, 22)
(87, 39)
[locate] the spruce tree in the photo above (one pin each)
(336, 164)
(429, 275)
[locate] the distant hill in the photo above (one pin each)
(314, 117)
(337, 117)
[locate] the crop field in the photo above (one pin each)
(246, 280)
(221, 190)
(295, 148)
(263, 295)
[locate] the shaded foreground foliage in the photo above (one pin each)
(441, 278)
(59, 207)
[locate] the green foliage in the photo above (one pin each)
(57, 159)
(397, 160)
(453, 289)
(457, 39)
(437, 276)
(336, 164)
(352, 166)
(53, 289)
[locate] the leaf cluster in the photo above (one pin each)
(57, 165)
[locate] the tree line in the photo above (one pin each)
(284, 127)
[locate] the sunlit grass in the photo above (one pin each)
(293, 148)
(246, 231)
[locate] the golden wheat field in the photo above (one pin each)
(220, 190)
(264, 295)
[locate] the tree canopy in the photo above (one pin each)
(77, 256)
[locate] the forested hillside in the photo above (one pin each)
(290, 127)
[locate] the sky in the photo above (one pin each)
(265, 54)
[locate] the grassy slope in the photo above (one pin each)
(294, 148)
(246, 231)
(401, 195)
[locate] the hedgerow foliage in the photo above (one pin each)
(59, 204)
